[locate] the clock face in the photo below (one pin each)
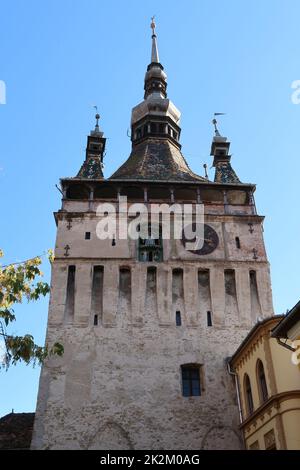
(211, 241)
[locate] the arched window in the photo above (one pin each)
(248, 394)
(261, 380)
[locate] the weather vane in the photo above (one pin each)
(153, 25)
(215, 122)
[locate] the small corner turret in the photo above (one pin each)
(220, 151)
(93, 164)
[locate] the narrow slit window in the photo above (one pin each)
(238, 243)
(70, 298)
(97, 295)
(209, 319)
(178, 318)
(262, 383)
(87, 235)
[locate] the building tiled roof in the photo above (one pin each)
(16, 430)
(91, 168)
(290, 319)
(156, 159)
(225, 173)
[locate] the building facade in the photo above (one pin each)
(268, 385)
(146, 324)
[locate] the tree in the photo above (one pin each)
(19, 281)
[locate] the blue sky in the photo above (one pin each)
(58, 58)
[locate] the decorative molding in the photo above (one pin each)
(269, 439)
(274, 401)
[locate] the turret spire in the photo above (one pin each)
(154, 52)
(220, 151)
(93, 164)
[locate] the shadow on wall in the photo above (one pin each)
(110, 433)
(220, 438)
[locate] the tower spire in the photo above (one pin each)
(154, 51)
(155, 78)
(155, 132)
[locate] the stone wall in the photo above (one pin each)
(118, 384)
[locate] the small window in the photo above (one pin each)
(113, 242)
(238, 243)
(209, 319)
(191, 381)
(248, 395)
(95, 320)
(87, 235)
(70, 297)
(262, 383)
(178, 318)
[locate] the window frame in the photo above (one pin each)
(178, 319)
(190, 369)
(151, 250)
(261, 377)
(248, 394)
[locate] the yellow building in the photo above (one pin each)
(268, 390)
(287, 333)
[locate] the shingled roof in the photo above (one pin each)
(16, 430)
(156, 159)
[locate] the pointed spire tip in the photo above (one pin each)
(154, 52)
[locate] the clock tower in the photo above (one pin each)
(147, 324)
